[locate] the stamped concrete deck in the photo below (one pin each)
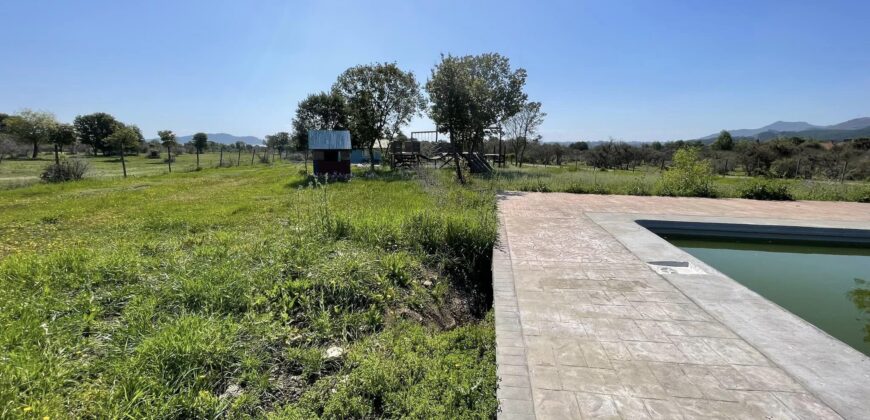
(586, 329)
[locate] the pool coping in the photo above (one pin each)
(833, 371)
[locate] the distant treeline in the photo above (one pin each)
(792, 157)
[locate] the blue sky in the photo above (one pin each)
(633, 70)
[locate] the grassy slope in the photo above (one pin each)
(217, 293)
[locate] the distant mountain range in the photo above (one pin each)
(223, 138)
(858, 127)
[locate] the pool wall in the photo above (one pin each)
(832, 370)
(798, 234)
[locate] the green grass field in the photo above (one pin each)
(572, 177)
(218, 293)
(251, 292)
(23, 172)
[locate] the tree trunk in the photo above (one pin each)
(222, 157)
(456, 153)
(123, 163)
(35, 149)
(169, 160)
(521, 155)
(197, 158)
(56, 156)
(253, 152)
(372, 156)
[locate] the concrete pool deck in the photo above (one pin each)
(585, 328)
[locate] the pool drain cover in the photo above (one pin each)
(674, 267)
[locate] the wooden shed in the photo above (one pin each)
(330, 151)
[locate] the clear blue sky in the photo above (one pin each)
(634, 70)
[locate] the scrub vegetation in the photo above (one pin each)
(247, 291)
(581, 179)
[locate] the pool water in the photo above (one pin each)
(828, 286)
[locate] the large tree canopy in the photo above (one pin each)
(93, 129)
(279, 141)
(380, 98)
(31, 127)
(471, 94)
(319, 111)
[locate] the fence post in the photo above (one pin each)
(843, 175)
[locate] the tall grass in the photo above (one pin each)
(217, 293)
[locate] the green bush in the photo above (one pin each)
(66, 170)
(763, 189)
(689, 176)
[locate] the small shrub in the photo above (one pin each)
(598, 188)
(68, 170)
(638, 186)
(264, 159)
(690, 176)
(762, 189)
(153, 154)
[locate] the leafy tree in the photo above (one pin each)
(724, 141)
(380, 98)
(279, 141)
(3, 118)
(124, 138)
(200, 141)
(93, 129)
(319, 111)
(61, 135)
(579, 146)
(449, 92)
(168, 140)
(31, 127)
(523, 125)
(470, 94)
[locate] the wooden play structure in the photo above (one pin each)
(404, 154)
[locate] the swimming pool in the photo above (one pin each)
(826, 284)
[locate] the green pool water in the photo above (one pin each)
(829, 286)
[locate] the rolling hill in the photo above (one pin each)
(857, 127)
